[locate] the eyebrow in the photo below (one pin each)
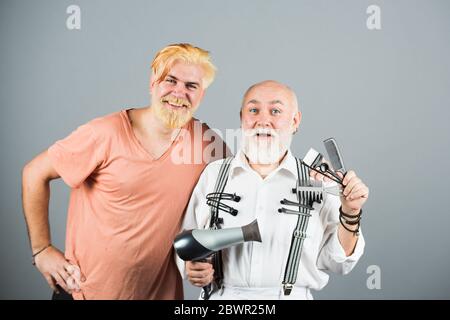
(253, 101)
(270, 102)
(276, 101)
(187, 82)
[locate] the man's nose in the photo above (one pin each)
(179, 91)
(263, 124)
(263, 120)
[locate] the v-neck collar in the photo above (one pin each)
(127, 121)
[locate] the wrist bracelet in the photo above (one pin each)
(356, 220)
(351, 222)
(35, 254)
(355, 232)
(350, 215)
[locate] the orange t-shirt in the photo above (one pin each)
(125, 207)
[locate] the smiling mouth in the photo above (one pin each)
(263, 135)
(175, 103)
(174, 106)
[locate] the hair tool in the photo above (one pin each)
(314, 161)
(197, 244)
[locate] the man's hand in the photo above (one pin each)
(199, 274)
(57, 270)
(355, 193)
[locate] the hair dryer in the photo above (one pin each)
(198, 244)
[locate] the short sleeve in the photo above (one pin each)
(76, 156)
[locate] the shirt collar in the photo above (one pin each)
(240, 163)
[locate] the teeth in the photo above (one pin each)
(177, 102)
(263, 132)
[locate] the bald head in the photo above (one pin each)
(274, 87)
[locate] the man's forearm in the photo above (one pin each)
(35, 197)
(347, 239)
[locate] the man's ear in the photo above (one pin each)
(297, 120)
(152, 83)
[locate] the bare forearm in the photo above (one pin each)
(36, 177)
(36, 194)
(347, 239)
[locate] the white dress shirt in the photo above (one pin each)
(255, 270)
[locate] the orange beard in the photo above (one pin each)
(171, 118)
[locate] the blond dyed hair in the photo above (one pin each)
(166, 57)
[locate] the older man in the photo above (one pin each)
(128, 195)
(296, 248)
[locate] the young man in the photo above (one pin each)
(295, 251)
(128, 194)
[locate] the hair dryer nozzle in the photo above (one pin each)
(251, 231)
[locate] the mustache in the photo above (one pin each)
(180, 102)
(261, 132)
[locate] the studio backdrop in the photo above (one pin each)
(374, 74)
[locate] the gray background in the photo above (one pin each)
(384, 95)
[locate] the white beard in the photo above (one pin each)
(266, 150)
